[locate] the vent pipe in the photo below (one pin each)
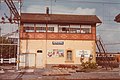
(47, 10)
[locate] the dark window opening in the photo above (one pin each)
(39, 51)
(69, 55)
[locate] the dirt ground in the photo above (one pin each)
(9, 73)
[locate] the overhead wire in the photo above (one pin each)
(110, 30)
(112, 43)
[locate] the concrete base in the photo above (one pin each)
(29, 70)
(11, 70)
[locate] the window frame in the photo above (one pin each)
(53, 27)
(74, 28)
(29, 24)
(58, 28)
(86, 27)
(27, 27)
(41, 28)
(63, 28)
(70, 58)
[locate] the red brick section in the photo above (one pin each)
(57, 36)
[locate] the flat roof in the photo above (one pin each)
(59, 18)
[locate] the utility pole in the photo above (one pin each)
(18, 48)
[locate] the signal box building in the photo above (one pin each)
(52, 39)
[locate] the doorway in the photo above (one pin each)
(39, 59)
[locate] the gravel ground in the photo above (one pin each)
(59, 74)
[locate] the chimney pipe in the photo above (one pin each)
(47, 10)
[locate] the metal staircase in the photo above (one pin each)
(103, 58)
(100, 45)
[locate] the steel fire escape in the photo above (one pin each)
(100, 45)
(103, 59)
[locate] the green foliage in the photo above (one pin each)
(88, 65)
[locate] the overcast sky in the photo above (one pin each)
(106, 10)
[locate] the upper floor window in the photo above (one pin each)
(52, 28)
(85, 28)
(61, 28)
(40, 27)
(74, 29)
(28, 27)
(64, 28)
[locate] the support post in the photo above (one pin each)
(18, 47)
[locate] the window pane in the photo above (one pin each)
(40, 27)
(28, 25)
(52, 28)
(28, 29)
(85, 28)
(64, 28)
(74, 28)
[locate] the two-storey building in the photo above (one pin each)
(51, 39)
